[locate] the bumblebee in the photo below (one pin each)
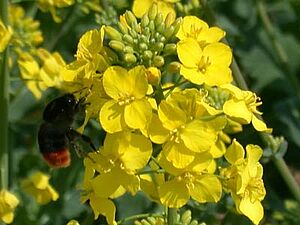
(55, 134)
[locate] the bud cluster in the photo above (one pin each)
(147, 42)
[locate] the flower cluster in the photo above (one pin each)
(38, 186)
(161, 137)
(161, 89)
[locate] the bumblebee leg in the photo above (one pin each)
(73, 134)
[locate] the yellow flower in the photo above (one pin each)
(5, 36)
(30, 73)
(243, 180)
(242, 107)
(193, 181)
(103, 206)
(129, 105)
(26, 30)
(8, 203)
(90, 58)
(123, 154)
(140, 7)
(51, 5)
(193, 27)
(38, 78)
(180, 128)
(52, 65)
(38, 186)
(209, 65)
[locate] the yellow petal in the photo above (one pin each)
(189, 52)
(189, 25)
(114, 82)
(140, 7)
(197, 136)
(192, 74)
(235, 152)
(217, 75)
(237, 110)
(259, 125)
(173, 194)
(219, 54)
(138, 114)
(253, 210)
(206, 188)
(111, 117)
(158, 134)
(179, 155)
(171, 116)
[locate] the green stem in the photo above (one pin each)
(151, 171)
(279, 50)
(287, 176)
(4, 99)
(239, 79)
(172, 216)
(139, 216)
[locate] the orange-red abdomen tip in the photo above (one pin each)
(58, 159)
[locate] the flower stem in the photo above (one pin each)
(139, 216)
(279, 50)
(172, 216)
(241, 83)
(4, 99)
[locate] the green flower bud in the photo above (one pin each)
(169, 32)
(152, 12)
(174, 67)
(194, 222)
(147, 55)
(127, 38)
(116, 45)
(169, 19)
(158, 46)
(112, 33)
(151, 26)
(137, 223)
(129, 58)
(161, 27)
(145, 21)
(130, 18)
(170, 49)
(123, 28)
(133, 33)
(186, 217)
(158, 19)
(152, 220)
(144, 39)
(158, 61)
(143, 46)
(128, 49)
(145, 222)
(176, 25)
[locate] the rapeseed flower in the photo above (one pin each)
(128, 105)
(193, 181)
(40, 77)
(209, 65)
(26, 33)
(193, 27)
(38, 186)
(5, 36)
(8, 203)
(90, 57)
(242, 107)
(51, 5)
(180, 127)
(243, 180)
(99, 205)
